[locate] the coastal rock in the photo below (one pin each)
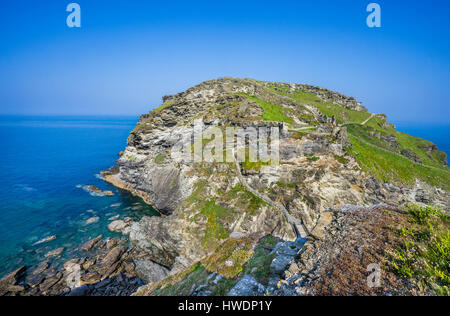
(112, 243)
(94, 189)
(45, 240)
(89, 245)
(118, 226)
(149, 271)
(54, 253)
(92, 220)
(42, 267)
(113, 256)
(9, 283)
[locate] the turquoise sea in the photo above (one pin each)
(44, 164)
(46, 161)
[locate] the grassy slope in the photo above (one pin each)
(272, 112)
(375, 155)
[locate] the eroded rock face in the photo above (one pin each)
(203, 203)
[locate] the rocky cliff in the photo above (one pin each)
(332, 152)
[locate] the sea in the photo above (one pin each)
(46, 164)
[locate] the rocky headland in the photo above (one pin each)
(310, 224)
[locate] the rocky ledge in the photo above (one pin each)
(105, 267)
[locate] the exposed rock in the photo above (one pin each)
(54, 253)
(9, 283)
(113, 256)
(284, 253)
(89, 245)
(94, 189)
(411, 155)
(118, 226)
(112, 243)
(92, 220)
(80, 291)
(42, 267)
(336, 264)
(45, 240)
(149, 271)
(247, 286)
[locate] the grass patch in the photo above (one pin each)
(342, 115)
(313, 158)
(259, 265)
(230, 257)
(341, 159)
(179, 284)
(272, 112)
(160, 158)
(391, 167)
(214, 231)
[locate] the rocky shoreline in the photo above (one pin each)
(104, 267)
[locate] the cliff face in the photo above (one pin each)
(331, 152)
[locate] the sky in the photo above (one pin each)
(129, 53)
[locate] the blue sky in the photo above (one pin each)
(127, 54)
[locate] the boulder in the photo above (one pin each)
(247, 286)
(89, 245)
(54, 253)
(149, 271)
(118, 226)
(113, 256)
(45, 240)
(112, 243)
(92, 220)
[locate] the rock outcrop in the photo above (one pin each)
(203, 202)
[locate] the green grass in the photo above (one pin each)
(182, 283)
(236, 251)
(416, 145)
(247, 200)
(341, 159)
(159, 159)
(215, 231)
(259, 265)
(313, 159)
(163, 106)
(341, 114)
(424, 255)
(387, 166)
(272, 112)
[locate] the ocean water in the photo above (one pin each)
(44, 163)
